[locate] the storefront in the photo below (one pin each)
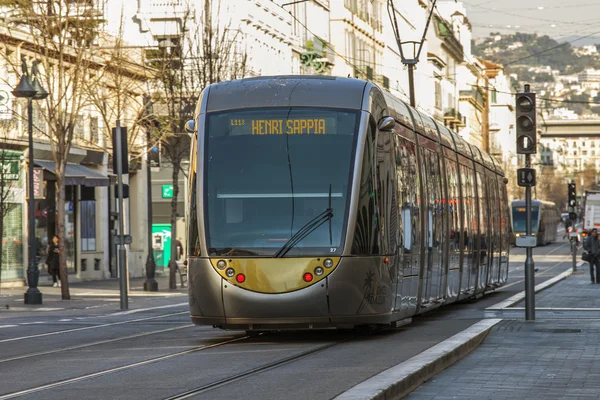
(84, 253)
(11, 181)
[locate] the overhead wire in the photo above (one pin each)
(468, 59)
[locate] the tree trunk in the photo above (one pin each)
(60, 232)
(173, 263)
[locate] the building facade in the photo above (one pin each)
(89, 209)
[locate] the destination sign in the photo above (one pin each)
(295, 126)
(523, 209)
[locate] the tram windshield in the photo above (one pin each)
(268, 172)
(519, 218)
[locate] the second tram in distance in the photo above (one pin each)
(544, 220)
(321, 202)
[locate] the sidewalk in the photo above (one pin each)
(557, 356)
(90, 294)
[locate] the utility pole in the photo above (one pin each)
(121, 238)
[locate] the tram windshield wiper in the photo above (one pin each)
(307, 229)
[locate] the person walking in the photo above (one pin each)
(592, 246)
(52, 261)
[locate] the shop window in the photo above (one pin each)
(88, 225)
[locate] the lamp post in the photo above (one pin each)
(150, 285)
(410, 50)
(31, 91)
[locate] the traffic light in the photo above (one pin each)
(526, 126)
(572, 201)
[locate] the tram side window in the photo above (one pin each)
(407, 199)
(453, 209)
(366, 239)
(193, 236)
(469, 221)
(386, 196)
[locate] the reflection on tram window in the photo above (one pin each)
(269, 172)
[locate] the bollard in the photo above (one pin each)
(574, 253)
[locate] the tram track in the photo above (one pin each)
(251, 372)
(97, 343)
(97, 374)
(84, 328)
(183, 395)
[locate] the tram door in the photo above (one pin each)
(432, 272)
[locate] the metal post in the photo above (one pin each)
(529, 264)
(574, 252)
(150, 285)
(122, 252)
(411, 84)
(33, 294)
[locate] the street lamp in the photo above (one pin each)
(31, 91)
(150, 285)
(410, 50)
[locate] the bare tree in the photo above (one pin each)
(59, 34)
(204, 54)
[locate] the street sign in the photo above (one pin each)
(526, 241)
(526, 177)
(5, 102)
(10, 170)
(167, 191)
(127, 239)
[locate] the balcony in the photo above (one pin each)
(454, 119)
(318, 55)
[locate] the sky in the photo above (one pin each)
(559, 19)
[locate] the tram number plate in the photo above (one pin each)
(526, 241)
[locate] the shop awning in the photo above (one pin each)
(76, 174)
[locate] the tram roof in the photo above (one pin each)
(282, 91)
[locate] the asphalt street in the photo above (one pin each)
(153, 352)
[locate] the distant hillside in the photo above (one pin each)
(525, 49)
(576, 42)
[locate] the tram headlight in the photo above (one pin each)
(221, 264)
(328, 263)
(230, 272)
(319, 271)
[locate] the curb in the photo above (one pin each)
(399, 380)
(511, 301)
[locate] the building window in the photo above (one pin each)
(584, 153)
(351, 5)
(88, 225)
(494, 96)
(94, 130)
(438, 94)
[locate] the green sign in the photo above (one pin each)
(10, 170)
(167, 191)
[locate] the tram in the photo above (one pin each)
(544, 220)
(326, 202)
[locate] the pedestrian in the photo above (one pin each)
(52, 261)
(568, 224)
(179, 248)
(592, 246)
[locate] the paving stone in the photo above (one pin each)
(543, 359)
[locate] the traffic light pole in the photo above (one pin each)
(529, 264)
(122, 252)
